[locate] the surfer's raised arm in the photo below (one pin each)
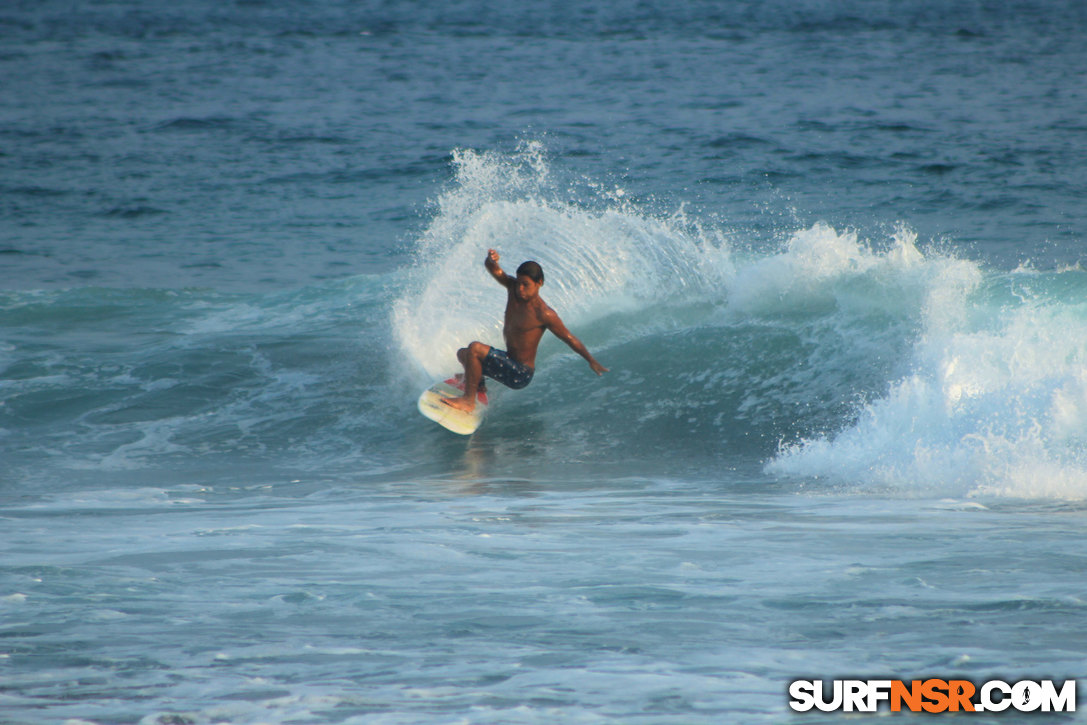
(491, 263)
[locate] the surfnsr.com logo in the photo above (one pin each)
(932, 695)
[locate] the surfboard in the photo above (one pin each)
(458, 421)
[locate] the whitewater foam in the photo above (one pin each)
(822, 269)
(995, 403)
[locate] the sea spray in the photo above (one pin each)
(599, 255)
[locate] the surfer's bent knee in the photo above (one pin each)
(475, 349)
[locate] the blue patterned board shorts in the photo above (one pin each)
(498, 366)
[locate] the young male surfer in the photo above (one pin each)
(527, 317)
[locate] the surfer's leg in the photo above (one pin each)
(471, 358)
(498, 365)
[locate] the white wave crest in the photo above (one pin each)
(995, 405)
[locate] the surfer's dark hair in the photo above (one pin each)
(532, 270)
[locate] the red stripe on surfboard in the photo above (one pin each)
(459, 385)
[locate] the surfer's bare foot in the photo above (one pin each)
(461, 403)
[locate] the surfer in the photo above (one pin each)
(527, 317)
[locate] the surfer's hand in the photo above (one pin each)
(598, 368)
(492, 258)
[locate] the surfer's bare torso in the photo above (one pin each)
(525, 323)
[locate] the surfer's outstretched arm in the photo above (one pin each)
(491, 263)
(553, 323)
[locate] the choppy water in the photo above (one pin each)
(830, 252)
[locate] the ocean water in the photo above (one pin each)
(831, 251)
